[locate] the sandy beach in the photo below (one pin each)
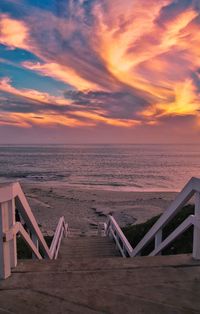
(83, 208)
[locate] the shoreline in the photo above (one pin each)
(93, 187)
(99, 187)
(84, 208)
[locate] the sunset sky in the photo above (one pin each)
(99, 71)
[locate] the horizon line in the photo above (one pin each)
(111, 143)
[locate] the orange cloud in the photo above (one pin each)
(186, 102)
(114, 41)
(13, 33)
(13, 120)
(98, 117)
(176, 29)
(5, 86)
(62, 73)
(27, 120)
(43, 118)
(141, 40)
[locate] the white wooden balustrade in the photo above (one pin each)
(12, 198)
(113, 230)
(192, 188)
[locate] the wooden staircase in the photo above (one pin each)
(77, 246)
(87, 278)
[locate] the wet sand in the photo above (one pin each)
(83, 208)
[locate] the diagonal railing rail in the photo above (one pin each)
(12, 199)
(192, 188)
(113, 230)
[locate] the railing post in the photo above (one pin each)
(158, 239)
(13, 242)
(8, 254)
(34, 238)
(196, 236)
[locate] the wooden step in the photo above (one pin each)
(148, 285)
(87, 247)
(76, 233)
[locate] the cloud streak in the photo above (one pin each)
(127, 64)
(79, 109)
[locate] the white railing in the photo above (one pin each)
(155, 233)
(61, 230)
(113, 230)
(12, 198)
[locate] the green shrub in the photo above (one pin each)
(183, 244)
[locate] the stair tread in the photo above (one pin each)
(112, 263)
(161, 284)
(87, 247)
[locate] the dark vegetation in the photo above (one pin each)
(23, 251)
(181, 245)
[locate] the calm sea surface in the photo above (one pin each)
(116, 167)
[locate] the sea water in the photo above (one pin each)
(115, 167)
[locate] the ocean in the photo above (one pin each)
(107, 167)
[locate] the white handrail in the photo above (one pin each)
(28, 240)
(12, 198)
(113, 229)
(18, 228)
(55, 244)
(28, 217)
(191, 188)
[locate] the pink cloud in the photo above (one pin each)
(14, 33)
(126, 48)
